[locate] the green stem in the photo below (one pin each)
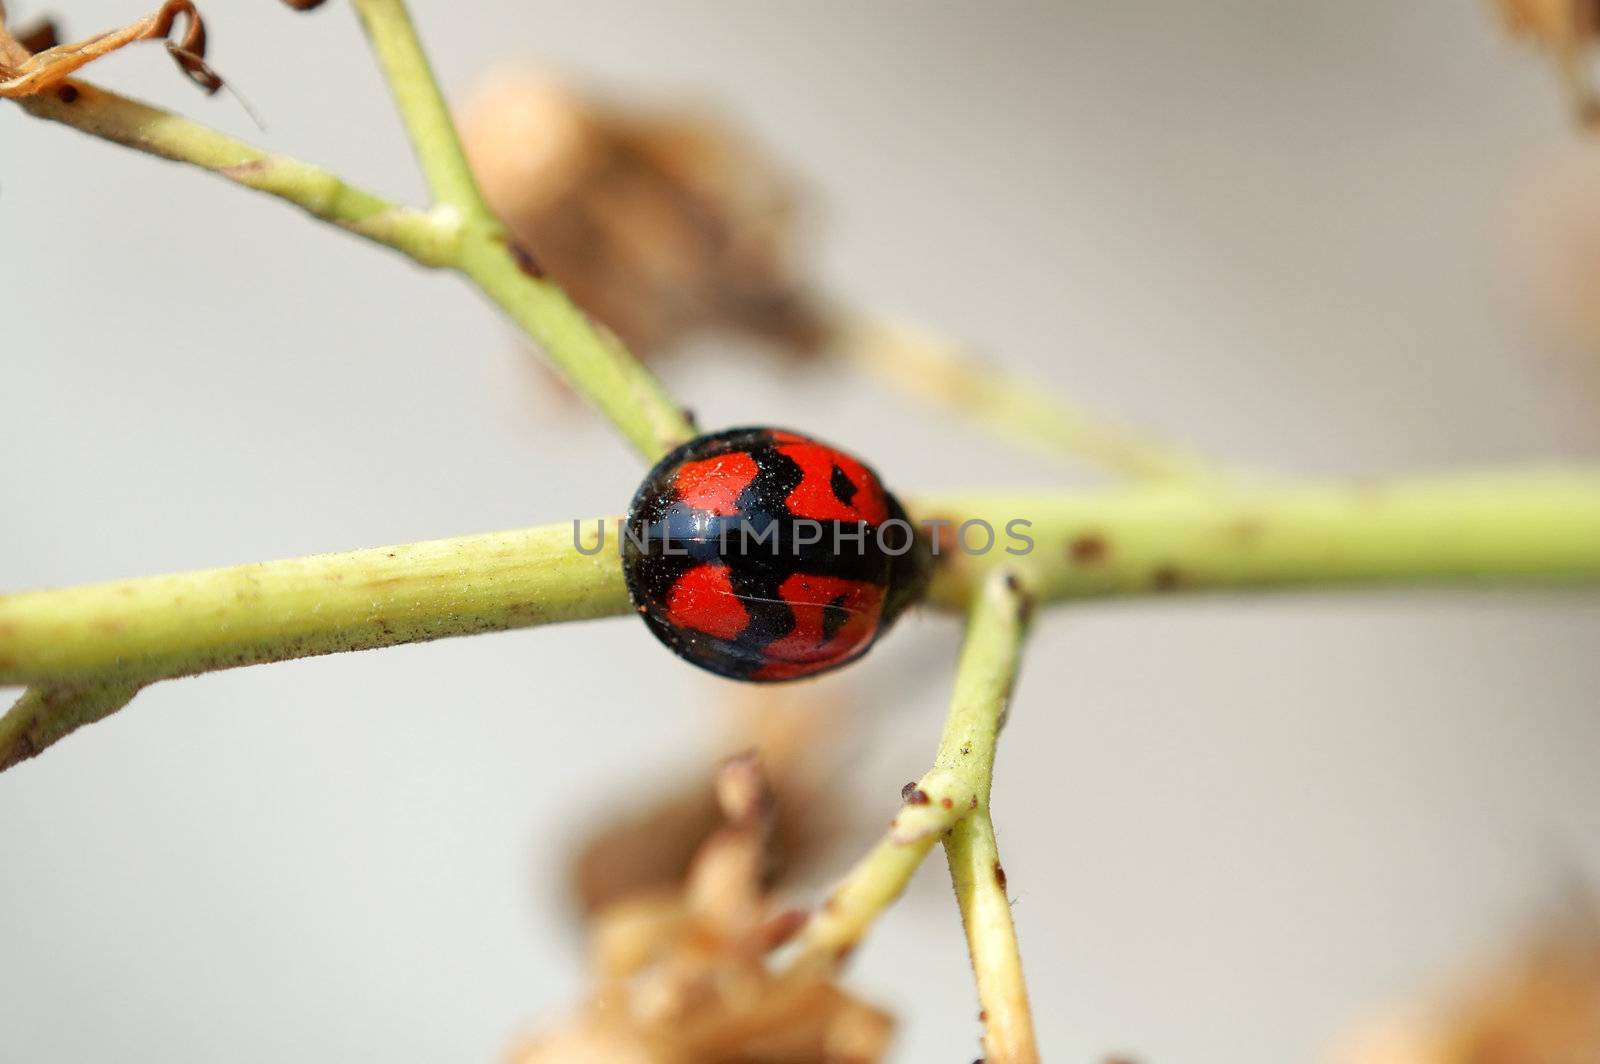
(588, 355)
(1528, 528)
(422, 107)
(948, 801)
(591, 358)
(424, 237)
(990, 658)
(1531, 526)
(1536, 527)
(44, 715)
(165, 626)
(939, 372)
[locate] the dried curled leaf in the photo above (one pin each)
(25, 74)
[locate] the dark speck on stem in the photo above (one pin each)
(1088, 549)
(1167, 578)
(526, 262)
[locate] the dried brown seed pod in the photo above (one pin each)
(663, 225)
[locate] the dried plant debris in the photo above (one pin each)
(24, 72)
(681, 975)
(1568, 31)
(1540, 1005)
(651, 840)
(664, 225)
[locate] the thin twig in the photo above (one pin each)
(952, 801)
(938, 371)
(587, 354)
(44, 715)
(422, 107)
(930, 807)
(990, 658)
(427, 238)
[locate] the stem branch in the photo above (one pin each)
(466, 239)
(422, 236)
(940, 372)
(44, 715)
(164, 626)
(952, 800)
(990, 658)
(1539, 527)
(422, 107)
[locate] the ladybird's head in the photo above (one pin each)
(909, 571)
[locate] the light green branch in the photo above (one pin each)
(422, 108)
(929, 808)
(472, 243)
(427, 238)
(952, 801)
(1530, 526)
(45, 714)
(939, 372)
(990, 658)
(587, 353)
(164, 626)
(1534, 527)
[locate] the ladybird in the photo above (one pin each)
(761, 554)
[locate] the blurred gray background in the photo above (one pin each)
(1233, 827)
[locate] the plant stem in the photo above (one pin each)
(44, 715)
(990, 658)
(422, 107)
(588, 354)
(1538, 528)
(953, 800)
(165, 626)
(1532, 527)
(931, 807)
(422, 236)
(592, 360)
(938, 371)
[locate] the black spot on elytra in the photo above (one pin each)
(844, 489)
(834, 616)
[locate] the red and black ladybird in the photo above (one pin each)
(761, 554)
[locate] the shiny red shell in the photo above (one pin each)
(761, 554)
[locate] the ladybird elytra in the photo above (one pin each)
(762, 554)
